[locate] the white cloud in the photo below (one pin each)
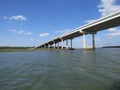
(113, 32)
(20, 32)
(107, 7)
(44, 34)
(5, 17)
(28, 33)
(17, 17)
(14, 31)
(89, 21)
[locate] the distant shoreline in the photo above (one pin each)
(15, 49)
(25, 49)
(111, 47)
(29, 49)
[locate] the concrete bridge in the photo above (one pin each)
(92, 28)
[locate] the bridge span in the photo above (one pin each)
(92, 28)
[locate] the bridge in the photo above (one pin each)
(92, 28)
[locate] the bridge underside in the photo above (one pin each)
(104, 25)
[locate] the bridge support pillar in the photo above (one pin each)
(44, 47)
(62, 43)
(53, 44)
(67, 44)
(71, 43)
(58, 45)
(48, 46)
(93, 41)
(84, 41)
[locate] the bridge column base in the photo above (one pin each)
(71, 43)
(62, 43)
(93, 42)
(66, 44)
(84, 41)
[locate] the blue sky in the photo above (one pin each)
(33, 22)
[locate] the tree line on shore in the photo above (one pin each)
(14, 47)
(111, 47)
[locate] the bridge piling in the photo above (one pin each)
(67, 44)
(71, 43)
(58, 45)
(84, 41)
(48, 46)
(93, 41)
(54, 44)
(62, 43)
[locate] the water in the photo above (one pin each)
(60, 70)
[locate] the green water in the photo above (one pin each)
(60, 70)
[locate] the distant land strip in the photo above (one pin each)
(14, 49)
(111, 47)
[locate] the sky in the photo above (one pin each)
(33, 22)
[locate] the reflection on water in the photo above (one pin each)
(115, 85)
(60, 70)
